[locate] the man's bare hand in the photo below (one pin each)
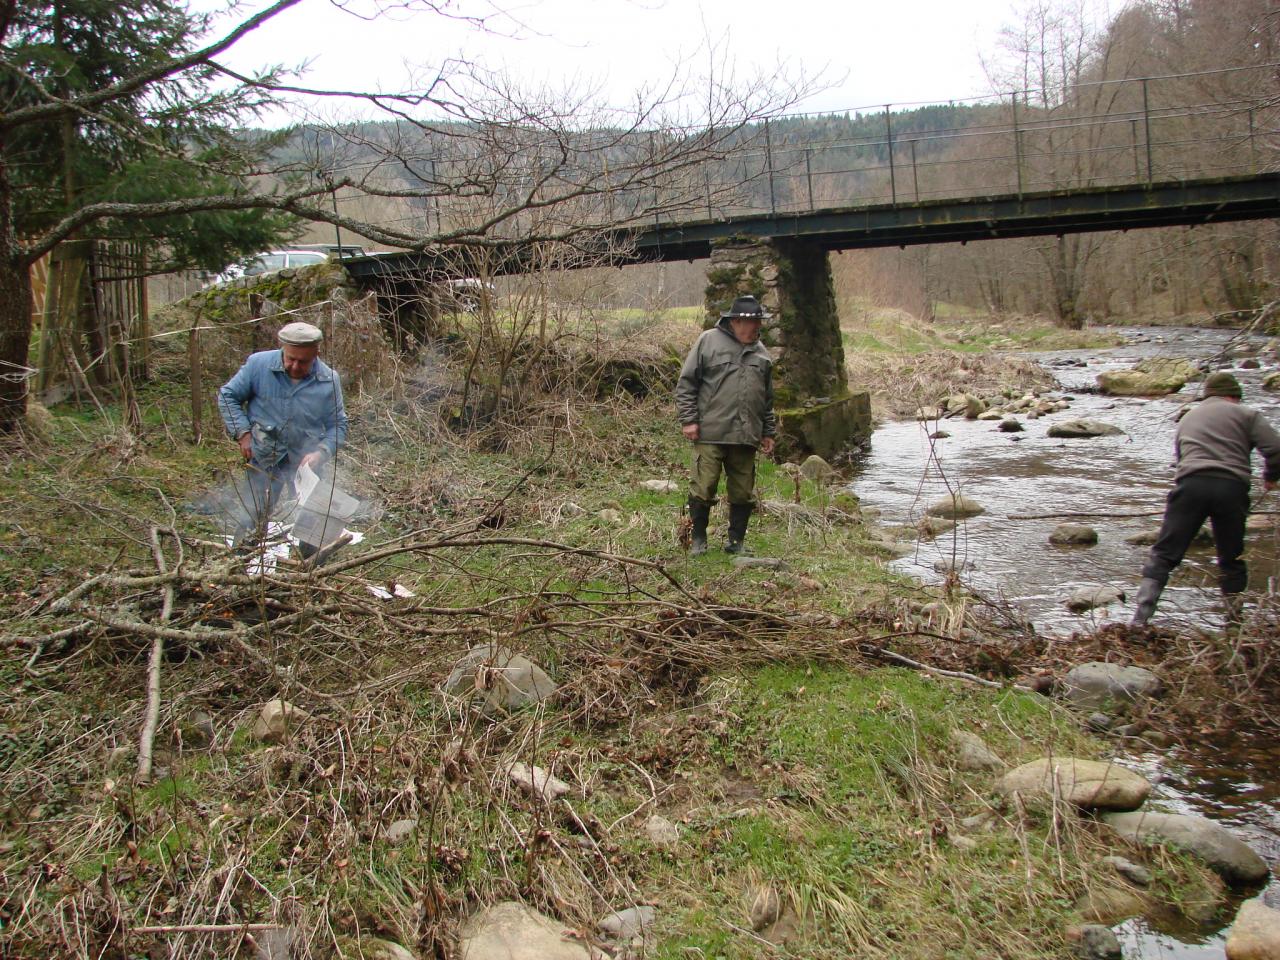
(311, 460)
(691, 431)
(766, 446)
(246, 445)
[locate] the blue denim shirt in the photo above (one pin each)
(287, 420)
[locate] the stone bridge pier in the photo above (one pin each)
(817, 412)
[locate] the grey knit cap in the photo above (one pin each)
(1222, 385)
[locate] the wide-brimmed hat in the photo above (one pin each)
(1222, 385)
(745, 308)
(300, 334)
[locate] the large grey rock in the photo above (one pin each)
(1135, 383)
(537, 781)
(376, 949)
(935, 526)
(513, 931)
(1089, 784)
(398, 832)
(662, 832)
(1098, 943)
(1175, 367)
(954, 507)
(278, 719)
(1097, 684)
(1083, 429)
(498, 679)
(659, 486)
(275, 943)
(628, 923)
(971, 753)
(759, 563)
(816, 469)
(1073, 535)
(1087, 598)
(1229, 856)
(1135, 873)
(1255, 934)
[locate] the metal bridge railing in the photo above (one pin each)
(1110, 133)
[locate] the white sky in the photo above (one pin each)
(870, 52)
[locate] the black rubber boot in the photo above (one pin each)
(739, 514)
(699, 514)
(1148, 596)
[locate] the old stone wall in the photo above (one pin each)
(230, 320)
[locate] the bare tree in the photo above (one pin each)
(463, 160)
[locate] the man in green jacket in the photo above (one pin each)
(725, 401)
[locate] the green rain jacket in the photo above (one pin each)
(727, 389)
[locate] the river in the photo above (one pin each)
(1030, 474)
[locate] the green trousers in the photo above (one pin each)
(739, 464)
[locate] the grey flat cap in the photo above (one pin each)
(300, 334)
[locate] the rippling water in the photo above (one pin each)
(1024, 474)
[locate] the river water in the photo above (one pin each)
(1018, 475)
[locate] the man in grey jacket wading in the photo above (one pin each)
(725, 401)
(1211, 447)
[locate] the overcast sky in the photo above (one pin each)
(870, 52)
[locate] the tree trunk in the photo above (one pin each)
(15, 341)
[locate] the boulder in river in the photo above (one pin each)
(1133, 383)
(1073, 535)
(1099, 685)
(1087, 598)
(1174, 367)
(1255, 933)
(955, 507)
(1226, 854)
(1271, 381)
(1088, 784)
(1083, 429)
(1011, 425)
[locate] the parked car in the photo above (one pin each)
(270, 261)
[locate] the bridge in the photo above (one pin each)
(1114, 155)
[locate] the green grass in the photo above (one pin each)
(827, 781)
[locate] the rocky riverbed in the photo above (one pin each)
(1060, 495)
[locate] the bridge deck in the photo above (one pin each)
(1170, 203)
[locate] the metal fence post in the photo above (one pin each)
(1133, 135)
(915, 177)
(1253, 146)
(888, 130)
(768, 160)
(1017, 142)
(1146, 123)
(808, 173)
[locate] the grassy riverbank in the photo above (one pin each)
(751, 708)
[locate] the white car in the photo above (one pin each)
(269, 262)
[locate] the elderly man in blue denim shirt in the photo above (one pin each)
(284, 408)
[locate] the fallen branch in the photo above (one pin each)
(899, 659)
(146, 740)
(209, 928)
